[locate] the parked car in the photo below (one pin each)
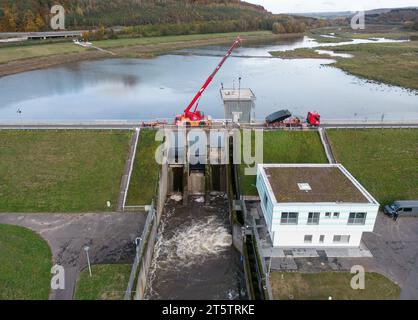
(402, 208)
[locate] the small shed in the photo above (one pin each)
(239, 105)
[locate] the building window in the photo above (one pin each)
(289, 218)
(313, 218)
(358, 218)
(308, 239)
(265, 201)
(341, 239)
(336, 215)
(327, 214)
(321, 238)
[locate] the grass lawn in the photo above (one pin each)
(108, 282)
(320, 286)
(145, 171)
(391, 63)
(127, 42)
(12, 53)
(61, 171)
(383, 160)
(25, 266)
(286, 147)
(372, 31)
(301, 53)
(38, 50)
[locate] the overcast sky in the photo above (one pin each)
(293, 6)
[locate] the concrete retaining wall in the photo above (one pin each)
(237, 239)
(150, 242)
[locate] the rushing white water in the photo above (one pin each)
(194, 243)
(188, 243)
(176, 197)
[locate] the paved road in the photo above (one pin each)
(110, 237)
(394, 245)
(48, 34)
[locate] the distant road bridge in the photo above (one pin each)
(43, 35)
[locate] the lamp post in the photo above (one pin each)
(86, 249)
(137, 241)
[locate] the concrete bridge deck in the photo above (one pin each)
(132, 124)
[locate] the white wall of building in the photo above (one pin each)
(284, 235)
(293, 235)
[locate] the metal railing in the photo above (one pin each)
(140, 247)
(131, 167)
(265, 272)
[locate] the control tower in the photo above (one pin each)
(239, 105)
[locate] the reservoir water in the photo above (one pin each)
(131, 89)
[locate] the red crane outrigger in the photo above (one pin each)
(195, 117)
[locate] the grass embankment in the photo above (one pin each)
(344, 34)
(144, 175)
(25, 266)
(61, 171)
(301, 53)
(154, 45)
(336, 35)
(391, 63)
(108, 282)
(129, 42)
(285, 147)
(320, 286)
(13, 53)
(383, 160)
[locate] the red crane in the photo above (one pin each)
(195, 117)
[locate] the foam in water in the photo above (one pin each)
(195, 243)
(181, 245)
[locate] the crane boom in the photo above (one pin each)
(209, 80)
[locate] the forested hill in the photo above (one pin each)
(33, 15)
(408, 17)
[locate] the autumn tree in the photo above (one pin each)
(278, 28)
(85, 36)
(39, 22)
(29, 24)
(9, 21)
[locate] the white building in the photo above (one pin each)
(314, 205)
(239, 105)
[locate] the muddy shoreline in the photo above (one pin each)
(142, 51)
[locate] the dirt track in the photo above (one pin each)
(142, 51)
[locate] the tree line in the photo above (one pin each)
(148, 17)
(33, 15)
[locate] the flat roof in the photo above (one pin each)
(329, 183)
(235, 94)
